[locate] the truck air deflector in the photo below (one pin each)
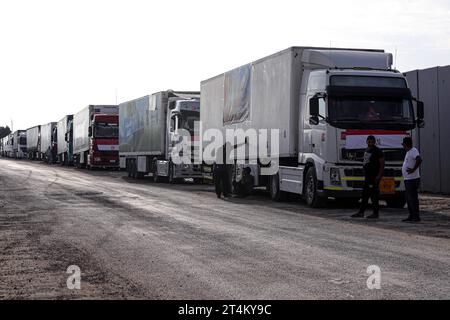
(368, 92)
(342, 59)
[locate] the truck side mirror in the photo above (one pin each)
(314, 110)
(314, 107)
(90, 132)
(420, 110)
(172, 105)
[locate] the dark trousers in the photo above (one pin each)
(370, 190)
(222, 182)
(412, 197)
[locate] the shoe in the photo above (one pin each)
(218, 196)
(407, 220)
(372, 216)
(415, 220)
(358, 215)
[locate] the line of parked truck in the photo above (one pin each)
(323, 102)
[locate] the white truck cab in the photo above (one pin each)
(351, 104)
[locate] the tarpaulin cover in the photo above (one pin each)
(237, 95)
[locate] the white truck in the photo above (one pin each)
(7, 146)
(49, 142)
(19, 144)
(324, 102)
(147, 131)
(34, 143)
(65, 140)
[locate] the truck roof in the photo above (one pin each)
(293, 48)
(182, 94)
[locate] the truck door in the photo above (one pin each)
(318, 131)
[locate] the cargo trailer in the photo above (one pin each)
(49, 142)
(34, 143)
(65, 140)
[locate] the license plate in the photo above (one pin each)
(112, 161)
(387, 186)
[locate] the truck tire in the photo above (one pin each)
(398, 203)
(310, 193)
(128, 168)
(274, 187)
(133, 169)
(170, 177)
(198, 180)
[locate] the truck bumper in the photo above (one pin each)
(188, 171)
(348, 182)
(354, 194)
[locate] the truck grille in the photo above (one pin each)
(358, 154)
(359, 172)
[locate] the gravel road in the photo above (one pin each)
(142, 240)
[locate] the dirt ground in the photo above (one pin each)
(142, 240)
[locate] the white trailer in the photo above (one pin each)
(19, 144)
(308, 94)
(148, 127)
(65, 138)
(34, 143)
(48, 142)
(7, 149)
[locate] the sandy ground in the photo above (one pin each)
(141, 240)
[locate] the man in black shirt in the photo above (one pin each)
(373, 171)
(222, 170)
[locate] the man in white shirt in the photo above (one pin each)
(411, 176)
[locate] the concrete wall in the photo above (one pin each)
(432, 86)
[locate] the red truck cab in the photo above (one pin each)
(104, 141)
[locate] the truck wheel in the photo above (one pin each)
(127, 167)
(171, 178)
(133, 169)
(310, 190)
(275, 193)
(398, 203)
(198, 181)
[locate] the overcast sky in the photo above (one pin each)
(58, 56)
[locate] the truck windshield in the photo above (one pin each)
(187, 120)
(106, 130)
(371, 114)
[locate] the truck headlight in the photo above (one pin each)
(335, 176)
